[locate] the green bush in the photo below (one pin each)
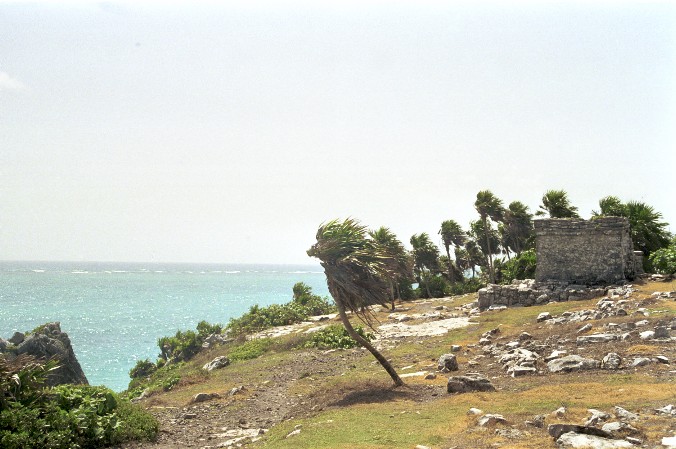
(303, 305)
(520, 267)
(664, 260)
(250, 349)
(186, 344)
(143, 368)
(66, 416)
(336, 337)
(470, 285)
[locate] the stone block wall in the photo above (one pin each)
(584, 252)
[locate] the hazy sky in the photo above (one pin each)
(227, 132)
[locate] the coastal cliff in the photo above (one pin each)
(43, 343)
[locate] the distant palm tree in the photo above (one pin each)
(357, 273)
(425, 258)
(451, 234)
(648, 233)
(557, 205)
(475, 255)
(489, 206)
(518, 226)
(395, 249)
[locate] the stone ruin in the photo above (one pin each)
(576, 259)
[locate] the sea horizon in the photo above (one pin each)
(114, 312)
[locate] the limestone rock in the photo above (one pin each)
(576, 440)
(572, 363)
(203, 397)
(217, 363)
(17, 338)
(596, 338)
(612, 360)
(48, 342)
(556, 430)
(661, 332)
(544, 316)
(624, 414)
(470, 382)
(447, 363)
(491, 419)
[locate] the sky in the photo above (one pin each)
(227, 132)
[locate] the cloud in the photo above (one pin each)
(9, 83)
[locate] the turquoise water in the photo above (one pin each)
(114, 313)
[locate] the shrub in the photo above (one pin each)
(336, 337)
(470, 285)
(185, 344)
(520, 267)
(250, 349)
(143, 368)
(664, 260)
(32, 416)
(303, 305)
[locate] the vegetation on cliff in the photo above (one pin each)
(33, 415)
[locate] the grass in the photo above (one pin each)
(359, 409)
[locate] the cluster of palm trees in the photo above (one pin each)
(367, 267)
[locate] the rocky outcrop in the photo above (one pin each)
(49, 342)
(468, 383)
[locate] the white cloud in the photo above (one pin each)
(9, 83)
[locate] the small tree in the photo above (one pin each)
(357, 273)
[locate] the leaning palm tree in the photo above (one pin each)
(394, 248)
(518, 226)
(489, 206)
(357, 273)
(557, 205)
(451, 234)
(425, 259)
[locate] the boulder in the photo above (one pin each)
(202, 397)
(544, 316)
(621, 413)
(661, 332)
(572, 363)
(17, 338)
(612, 360)
(48, 342)
(217, 363)
(490, 420)
(556, 430)
(596, 338)
(468, 383)
(577, 440)
(447, 363)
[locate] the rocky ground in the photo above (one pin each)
(627, 331)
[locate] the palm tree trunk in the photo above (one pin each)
(363, 342)
(451, 278)
(491, 275)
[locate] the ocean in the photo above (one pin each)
(114, 313)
